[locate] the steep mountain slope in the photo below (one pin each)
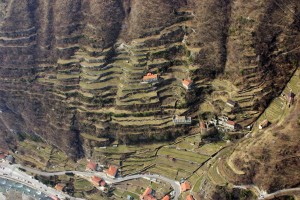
(71, 70)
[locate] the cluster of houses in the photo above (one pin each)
(182, 120)
(185, 186)
(6, 157)
(149, 194)
(153, 78)
(111, 172)
(222, 124)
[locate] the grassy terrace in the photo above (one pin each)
(278, 108)
(67, 62)
(67, 76)
(91, 137)
(188, 156)
(101, 85)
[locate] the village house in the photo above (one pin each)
(263, 124)
(2, 157)
(167, 197)
(189, 197)
(185, 186)
(112, 171)
(150, 78)
(91, 166)
(59, 187)
(182, 120)
(291, 98)
(55, 198)
(231, 103)
(230, 125)
(148, 194)
(187, 84)
(96, 180)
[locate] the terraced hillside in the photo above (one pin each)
(71, 71)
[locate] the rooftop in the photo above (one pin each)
(112, 171)
(91, 165)
(187, 82)
(185, 186)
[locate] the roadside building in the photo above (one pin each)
(231, 124)
(187, 84)
(182, 120)
(263, 124)
(185, 186)
(189, 197)
(91, 166)
(59, 187)
(231, 103)
(112, 171)
(55, 198)
(150, 78)
(96, 180)
(2, 157)
(148, 194)
(167, 197)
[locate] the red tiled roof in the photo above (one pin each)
(187, 82)
(147, 191)
(167, 197)
(149, 197)
(2, 156)
(96, 180)
(112, 171)
(189, 197)
(91, 165)
(231, 122)
(55, 198)
(59, 187)
(4, 151)
(185, 186)
(202, 125)
(150, 76)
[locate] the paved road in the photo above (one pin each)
(13, 173)
(263, 195)
(283, 192)
(174, 184)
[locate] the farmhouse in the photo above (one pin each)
(231, 125)
(167, 197)
(185, 186)
(189, 197)
(187, 84)
(59, 187)
(91, 166)
(182, 120)
(263, 124)
(96, 180)
(231, 103)
(148, 194)
(150, 78)
(112, 171)
(2, 157)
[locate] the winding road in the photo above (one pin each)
(175, 184)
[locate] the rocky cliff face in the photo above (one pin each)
(71, 69)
